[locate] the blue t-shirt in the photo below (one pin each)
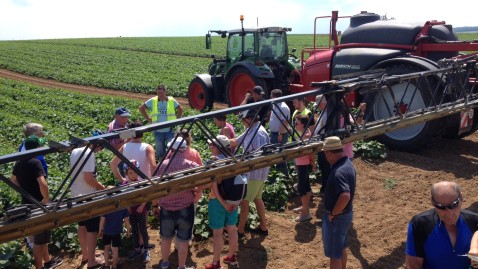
(434, 245)
(342, 178)
(114, 222)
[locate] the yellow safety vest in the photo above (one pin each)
(305, 112)
(170, 110)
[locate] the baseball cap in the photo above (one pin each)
(250, 113)
(258, 90)
(123, 112)
(221, 140)
(33, 142)
(179, 143)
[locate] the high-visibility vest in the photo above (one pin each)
(170, 110)
(305, 112)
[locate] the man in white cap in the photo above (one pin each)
(176, 216)
(338, 198)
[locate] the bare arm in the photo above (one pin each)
(15, 181)
(150, 158)
(245, 98)
(179, 113)
(114, 167)
(128, 227)
(142, 109)
(474, 244)
(91, 180)
(227, 132)
(102, 225)
(413, 262)
(43, 189)
(340, 205)
(215, 190)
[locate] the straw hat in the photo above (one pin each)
(332, 143)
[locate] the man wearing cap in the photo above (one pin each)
(258, 95)
(162, 108)
(120, 122)
(85, 183)
(439, 238)
(176, 216)
(29, 175)
(254, 138)
(338, 198)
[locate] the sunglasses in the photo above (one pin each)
(453, 205)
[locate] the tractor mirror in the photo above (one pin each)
(208, 41)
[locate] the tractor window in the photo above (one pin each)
(272, 45)
(234, 47)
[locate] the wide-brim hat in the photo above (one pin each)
(332, 143)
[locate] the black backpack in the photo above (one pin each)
(233, 189)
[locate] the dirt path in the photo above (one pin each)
(49, 83)
(388, 194)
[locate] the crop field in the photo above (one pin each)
(128, 64)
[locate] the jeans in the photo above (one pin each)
(162, 140)
(282, 167)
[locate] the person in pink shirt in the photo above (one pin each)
(226, 128)
(190, 153)
(302, 165)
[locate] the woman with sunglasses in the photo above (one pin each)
(302, 165)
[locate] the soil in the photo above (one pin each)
(389, 193)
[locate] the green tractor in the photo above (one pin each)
(257, 56)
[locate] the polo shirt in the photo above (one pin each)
(342, 178)
(428, 238)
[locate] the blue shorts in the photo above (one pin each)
(334, 234)
(179, 223)
(219, 217)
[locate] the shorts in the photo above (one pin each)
(179, 223)
(113, 239)
(303, 182)
(219, 217)
(334, 234)
(42, 238)
(254, 189)
(92, 225)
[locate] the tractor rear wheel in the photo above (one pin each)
(411, 98)
(199, 96)
(241, 82)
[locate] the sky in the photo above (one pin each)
(47, 19)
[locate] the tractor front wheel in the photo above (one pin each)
(199, 96)
(241, 82)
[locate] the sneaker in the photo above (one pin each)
(146, 256)
(53, 263)
(134, 254)
(230, 260)
(303, 218)
(213, 265)
(297, 210)
(164, 265)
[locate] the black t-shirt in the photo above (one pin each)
(263, 110)
(341, 179)
(27, 173)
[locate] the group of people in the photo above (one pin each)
(436, 238)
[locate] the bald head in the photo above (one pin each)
(445, 189)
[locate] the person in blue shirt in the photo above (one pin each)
(111, 227)
(36, 129)
(441, 237)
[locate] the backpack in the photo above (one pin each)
(233, 189)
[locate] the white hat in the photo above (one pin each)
(179, 143)
(221, 140)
